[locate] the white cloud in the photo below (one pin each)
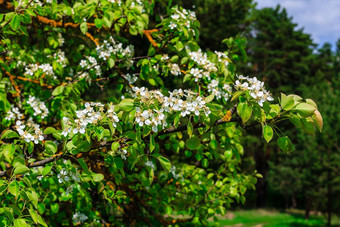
(319, 18)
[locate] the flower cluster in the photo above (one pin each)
(29, 132)
(131, 79)
(123, 153)
(91, 115)
(60, 58)
(222, 57)
(13, 114)
(119, 2)
(110, 49)
(225, 92)
(46, 68)
(150, 164)
(193, 104)
(64, 176)
(138, 2)
(255, 87)
(174, 69)
(90, 64)
(173, 172)
(150, 117)
(61, 40)
(207, 67)
(38, 107)
(79, 217)
(182, 18)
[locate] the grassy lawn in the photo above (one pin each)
(264, 218)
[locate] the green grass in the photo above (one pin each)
(264, 218)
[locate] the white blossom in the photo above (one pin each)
(39, 107)
(255, 87)
(79, 217)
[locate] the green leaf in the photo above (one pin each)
(152, 143)
(21, 169)
(15, 22)
(51, 147)
(236, 95)
(151, 175)
(318, 120)
(55, 207)
(46, 170)
(82, 163)
(20, 222)
(287, 103)
(98, 177)
(310, 101)
(82, 147)
(285, 144)
(14, 188)
(164, 162)
(34, 215)
(8, 151)
(305, 109)
(190, 128)
(209, 98)
(118, 162)
(9, 134)
(268, 133)
(308, 125)
(187, 77)
(111, 63)
(205, 163)
(33, 196)
(114, 146)
(49, 130)
(244, 111)
(193, 143)
(98, 22)
(83, 27)
(58, 90)
(126, 105)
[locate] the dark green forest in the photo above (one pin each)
(280, 53)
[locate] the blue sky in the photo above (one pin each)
(320, 18)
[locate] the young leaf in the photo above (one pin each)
(244, 111)
(14, 188)
(190, 129)
(15, 22)
(267, 133)
(285, 144)
(83, 27)
(152, 143)
(9, 134)
(58, 90)
(209, 98)
(98, 177)
(305, 109)
(164, 162)
(126, 105)
(21, 169)
(318, 120)
(51, 147)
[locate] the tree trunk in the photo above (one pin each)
(329, 199)
(308, 207)
(293, 202)
(261, 159)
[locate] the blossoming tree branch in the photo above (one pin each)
(164, 140)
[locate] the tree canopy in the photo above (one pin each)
(98, 129)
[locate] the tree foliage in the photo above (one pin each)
(167, 139)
